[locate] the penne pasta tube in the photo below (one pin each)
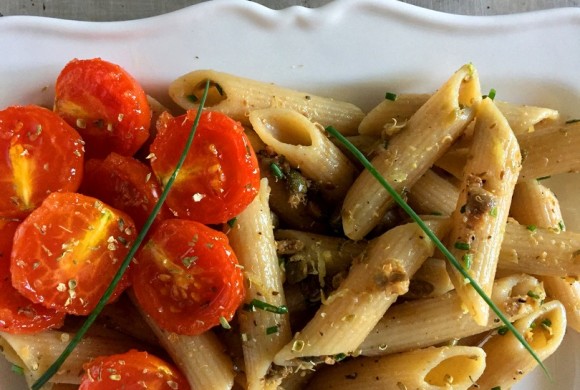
(567, 291)
(34, 353)
(425, 322)
(479, 219)
(426, 369)
(237, 97)
(263, 333)
(305, 147)
(411, 152)
(202, 358)
(432, 194)
(543, 329)
(372, 285)
(524, 118)
(430, 280)
(541, 251)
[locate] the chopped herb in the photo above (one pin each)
(339, 356)
(531, 228)
(496, 388)
(391, 96)
(192, 98)
(493, 212)
(532, 294)
(188, 261)
(224, 323)
(502, 330)
(436, 213)
(491, 94)
(543, 178)
(572, 121)
(533, 325)
(462, 246)
(257, 304)
(17, 369)
(272, 329)
(276, 171)
(561, 226)
(467, 260)
(546, 323)
(232, 222)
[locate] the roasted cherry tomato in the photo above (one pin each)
(126, 184)
(187, 277)
(105, 104)
(66, 252)
(40, 154)
(18, 314)
(220, 176)
(131, 370)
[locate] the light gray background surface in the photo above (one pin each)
(111, 10)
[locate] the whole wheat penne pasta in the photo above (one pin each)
(479, 219)
(202, 359)
(411, 152)
(432, 194)
(305, 147)
(389, 114)
(426, 369)
(237, 97)
(263, 333)
(372, 285)
(541, 251)
(424, 322)
(543, 329)
(34, 353)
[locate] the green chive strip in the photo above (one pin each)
(491, 94)
(391, 96)
(257, 304)
(272, 329)
(401, 202)
(53, 369)
(276, 171)
(17, 369)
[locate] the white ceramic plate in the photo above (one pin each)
(351, 50)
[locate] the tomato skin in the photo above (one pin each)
(131, 370)
(79, 244)
(105, 104)
(17, 314)
(220, 176)
(40, 153)
(125, 184)
(187, 277)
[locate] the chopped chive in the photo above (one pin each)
(491, 94)
(53, 369)
(543, 178)
(257, 304)
(192, 98)
(188, 261)
(572, 121)
(532, 294)
(436, 213)
(531, 228)
(493, 212)
(224, 323)
(561, 226)
(17, 369)
(462, 246)
(276, 171)
(232, 222)
(339, 356)
(467, 260)
(502, 330)
(533, 325)
(391, 96)
(546, 323)
(401, 202)
(272, 329)
(496, 388)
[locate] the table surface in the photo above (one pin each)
(112, 10)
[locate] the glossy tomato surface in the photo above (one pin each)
(40, 154)
(132, 370)
(220, 176)
(66, 252)
(187, 277)
(126, 184)
(105, 104)
(17, 314)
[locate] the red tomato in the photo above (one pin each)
(220, 176)
(18, 314)
(40, 154)
(105, 104)
(126, 184)
(131, 370)
(78, 244)
(187, 277)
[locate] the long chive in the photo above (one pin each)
(257, 304)
(401, 202)
(53, 369)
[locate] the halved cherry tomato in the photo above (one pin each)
(105, 104)
(131, 370)
(40, 154)
(66, 252)
(187, 277)
(220, 176)
(126, 184)
(18, 314)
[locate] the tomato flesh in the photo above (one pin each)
(78, 245)
(131, 370)
(126, 184)
(17, 314)
(40, 154)
(187, 277)
(220, 176)
(105, 104)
